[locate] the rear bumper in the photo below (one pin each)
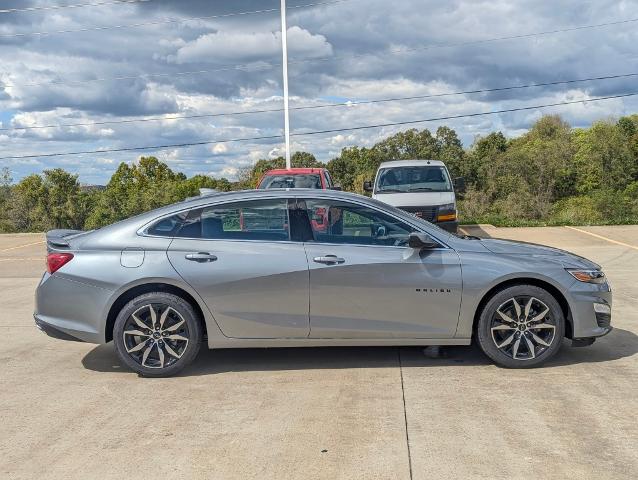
(65, 307)
(52, 331)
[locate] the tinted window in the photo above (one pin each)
(254, 220)
(167, 227)
(413, 179)
(342, 222)
(310, 180)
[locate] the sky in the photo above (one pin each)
(155, 60)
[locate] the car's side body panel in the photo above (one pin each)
(254, 289)
(384, 292)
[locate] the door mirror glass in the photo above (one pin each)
(367, 186)
(459, 184)
(420, 240)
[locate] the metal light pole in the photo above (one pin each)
(284, 53)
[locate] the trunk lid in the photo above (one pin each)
(62, 239)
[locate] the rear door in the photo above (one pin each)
(365, 282)
(241, 260)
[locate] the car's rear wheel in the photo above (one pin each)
(157, 334)
(521, 326)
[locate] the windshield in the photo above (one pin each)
(310, 180)
(413, 179)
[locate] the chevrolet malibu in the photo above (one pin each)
(294, 268)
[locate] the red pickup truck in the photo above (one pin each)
(297, 178)
(302, 178)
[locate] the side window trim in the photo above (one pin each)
(353, 206)
(416, 227)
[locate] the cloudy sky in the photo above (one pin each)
(160, 65)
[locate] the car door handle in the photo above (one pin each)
(201, 257)
(329, 260)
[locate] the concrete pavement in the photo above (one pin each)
(71, 411)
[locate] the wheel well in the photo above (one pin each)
(560, 298)
(129, 295)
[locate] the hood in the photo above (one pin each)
(511, 247)
(415, 199)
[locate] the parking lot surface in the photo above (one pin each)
(70, 411)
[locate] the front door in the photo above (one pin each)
(240, 259)
(365, 282)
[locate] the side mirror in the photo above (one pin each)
(418, 240)
(459, 184)
(367, 186)
(337, 187)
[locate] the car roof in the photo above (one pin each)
(266, 193)
(293, 171)
(411, 163)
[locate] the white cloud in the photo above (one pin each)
(219, 148)
(238, 47)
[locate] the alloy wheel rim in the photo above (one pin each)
(523, 328)
(156, 336)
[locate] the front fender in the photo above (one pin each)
(483, 273)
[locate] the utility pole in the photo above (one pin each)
(284, 63)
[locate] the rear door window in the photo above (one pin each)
(265, 220)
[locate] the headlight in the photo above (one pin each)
(587, 276)
(446, 212)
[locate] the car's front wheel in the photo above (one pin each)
(521, 326)
(157, 334)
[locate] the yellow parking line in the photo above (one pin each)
(22, 246)
(604, 238)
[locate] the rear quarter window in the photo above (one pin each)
(167, 227)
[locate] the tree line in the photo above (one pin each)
(553, 174)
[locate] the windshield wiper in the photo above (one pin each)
(420, 189)
(391, 190)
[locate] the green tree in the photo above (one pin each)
(5, 199)
(604, 157)
(535, 170)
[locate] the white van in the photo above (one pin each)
(421, 187)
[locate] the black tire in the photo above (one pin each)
(180, 322)
(493, 331)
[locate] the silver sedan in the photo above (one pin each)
(293, 268)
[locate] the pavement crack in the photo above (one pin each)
(405, 413)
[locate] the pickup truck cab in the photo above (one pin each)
(420, 187)
(297, 178)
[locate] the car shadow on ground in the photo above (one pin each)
(617, 345)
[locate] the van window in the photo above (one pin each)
(426, 178)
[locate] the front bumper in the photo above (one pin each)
(586, 322)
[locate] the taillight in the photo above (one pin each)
(55, 261)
